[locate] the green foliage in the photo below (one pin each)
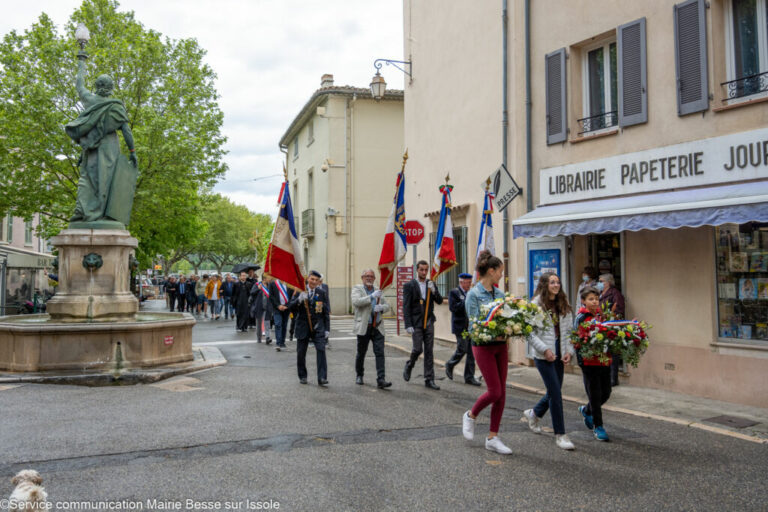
(169, 94)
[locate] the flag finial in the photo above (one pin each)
(488, 183)
(405, 158)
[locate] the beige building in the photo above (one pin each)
(648, 159)
(343, 153)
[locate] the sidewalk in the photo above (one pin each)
(656, 404)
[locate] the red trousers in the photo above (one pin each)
(492, 361)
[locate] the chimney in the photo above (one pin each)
(326, 80)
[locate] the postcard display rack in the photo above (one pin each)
(742, 280)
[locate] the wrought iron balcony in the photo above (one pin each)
(308, 223)
(598, 122)
(746, 86)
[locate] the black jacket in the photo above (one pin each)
(459, 319)
(274, 295)
(413, 304)
(319, 315)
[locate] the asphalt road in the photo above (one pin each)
(248, 434)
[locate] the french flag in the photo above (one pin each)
(485, 241)
(445, 253)
(394, 247)
(284, 261)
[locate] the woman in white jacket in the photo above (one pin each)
(551, 349)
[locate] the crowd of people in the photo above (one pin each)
(267, 304)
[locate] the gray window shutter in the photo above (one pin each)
(691, 57)
(557, 118)
(633, 80)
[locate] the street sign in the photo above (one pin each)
(414, 232)
(503, 188)
(168, 340)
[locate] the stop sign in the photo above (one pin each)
(414, 232)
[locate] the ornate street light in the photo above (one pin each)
(83, 36)
(378, 85)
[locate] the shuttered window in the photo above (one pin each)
(557, 120)
(633, 87)
(691, 57)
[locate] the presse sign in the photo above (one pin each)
(725, 159)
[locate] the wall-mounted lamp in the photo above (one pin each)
(378, 85)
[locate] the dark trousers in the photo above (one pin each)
(281, 324)
(615, 363)
(301, 358)
(463, 346)
(242, 320)
(424, 341)
(191, 303)
(552, 375)
(293, 326)
(373, 335)
(597, 383)
(172, 299)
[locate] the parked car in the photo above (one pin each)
(146, 290)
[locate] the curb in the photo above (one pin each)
(622, 410)
(209, 357)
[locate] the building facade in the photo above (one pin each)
(23, 258)
(648, 159)
(343, 153)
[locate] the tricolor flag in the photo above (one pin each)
(284, 261)
(445, 254)
(485, 241)
(394, 247)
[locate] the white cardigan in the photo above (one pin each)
(538, 344)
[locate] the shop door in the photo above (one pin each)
(605, 255)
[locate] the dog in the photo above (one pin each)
(28, 495)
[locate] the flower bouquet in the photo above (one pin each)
(626, 338)
(506, 317)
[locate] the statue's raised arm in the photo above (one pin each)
(86, 96)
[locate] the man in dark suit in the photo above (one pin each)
(280, 296)
(459, 324)
(181, 296)
(312, 324)
(172, 290)
(419, 298)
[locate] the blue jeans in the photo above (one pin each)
(215, 306)
(281, 326)
(552, 375)
(226, 307)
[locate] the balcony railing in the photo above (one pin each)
(308, 223)
(746, 86)
(598, 122)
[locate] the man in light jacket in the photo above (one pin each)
(370, 306)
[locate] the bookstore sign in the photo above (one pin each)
(724, 159)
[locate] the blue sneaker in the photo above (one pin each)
(587, 418)
(600, 434)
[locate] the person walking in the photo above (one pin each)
(240, 295)
(595, 373)
(226, 295)
(172, 289)
(588, 280)
(192, 294)
(213, 294)
(459, 324)
(419, 298)
(202, 300)
(370, 306)
(550, 350)
(261, 309)
(612, 300)
(252, 280)
(280, 295)
(181, 294)
(312, 321)
(491, 357)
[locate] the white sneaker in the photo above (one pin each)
(467, 426)
(494, 444)
(533, 421)
(564, 443)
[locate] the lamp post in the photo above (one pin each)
(378, 85)
(83, 36)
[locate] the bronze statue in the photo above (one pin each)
(107, 179)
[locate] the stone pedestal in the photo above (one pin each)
(94, 294)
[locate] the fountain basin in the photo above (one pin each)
(35, 343)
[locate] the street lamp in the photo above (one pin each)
(83, 36)
(378, 85)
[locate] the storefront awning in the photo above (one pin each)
(710, 206)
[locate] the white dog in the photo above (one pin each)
(28, 495)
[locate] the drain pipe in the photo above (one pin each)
(505, 130)
(528, 164)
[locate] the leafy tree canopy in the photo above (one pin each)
(171, 100)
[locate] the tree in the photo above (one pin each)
(169, 94)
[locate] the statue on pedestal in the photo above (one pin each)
(107, 178)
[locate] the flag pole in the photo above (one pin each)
(426, 306)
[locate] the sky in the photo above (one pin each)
(269, 56)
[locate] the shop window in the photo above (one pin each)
(600, 100)
(447, 281)
(605, 256)
(742, 281)
(746, 29)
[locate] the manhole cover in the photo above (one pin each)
(246, 357)
(731, 421)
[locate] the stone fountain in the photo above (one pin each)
(93, 322)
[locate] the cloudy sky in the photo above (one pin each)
(269, 56)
